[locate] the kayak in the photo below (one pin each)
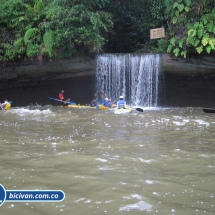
(209, 110)
(65, 102)
(102, 107)
(122, 110)
(79, 106)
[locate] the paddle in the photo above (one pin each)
(139, 109)
(72, 103)
(209, 110)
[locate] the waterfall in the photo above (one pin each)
(133, 76)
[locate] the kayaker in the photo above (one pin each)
(107, 102)
(61, 95)
(121, 103)
(93, 103)
(6, 105)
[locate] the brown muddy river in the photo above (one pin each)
(161, 161)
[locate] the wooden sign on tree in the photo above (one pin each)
(157, 33)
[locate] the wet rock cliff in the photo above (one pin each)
(33, 82)
(183, 82)
(187, 81)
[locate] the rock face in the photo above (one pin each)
(187, 82)
(203, 66)
(182, 82)
(33, 83)
(22, 74)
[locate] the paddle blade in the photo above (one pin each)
(139, 109)
(209, 110)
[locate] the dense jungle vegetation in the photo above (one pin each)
(60, 28)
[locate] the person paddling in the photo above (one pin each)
(93, 103)
(121, 103)
(61, 95)
(107, 103)
(6, 105)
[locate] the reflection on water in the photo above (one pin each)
(161, 161)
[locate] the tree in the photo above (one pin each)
(78, 24)
(12, 23)
(40, 27)
(191, 26)
(133, 20)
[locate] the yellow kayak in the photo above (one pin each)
(99, 107)
(79, 106)
(102, 107)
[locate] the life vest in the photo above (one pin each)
(107, 104)
(121, 103)
(7, 106)
(61, 97)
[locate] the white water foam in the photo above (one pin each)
(141, 205)
(24, 111)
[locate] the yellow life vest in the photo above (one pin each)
(7, 106)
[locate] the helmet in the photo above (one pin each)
(106, 99)
(121, 97)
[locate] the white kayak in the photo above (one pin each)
(122, 110)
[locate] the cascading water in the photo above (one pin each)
(133, 76)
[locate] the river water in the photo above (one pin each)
(160, 161)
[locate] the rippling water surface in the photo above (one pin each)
(161, 161)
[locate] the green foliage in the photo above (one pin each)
(30, 35)
(162, 45)
(172, 41)
(48, 41)
(9, 51)
(32, 49)
(12, 22)
(10, 13)
(181, 42)
(208, 49)
(32, 40)
(199, 49)
(78, 26)
(36, 11)
(192, 27)
(169, 49)
(157, 10)
(176, 52)
(133, 20)
(36, 27)
(184, 53)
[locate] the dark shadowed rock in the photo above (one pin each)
(203, 66)
(182, 81)
(187, 81)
